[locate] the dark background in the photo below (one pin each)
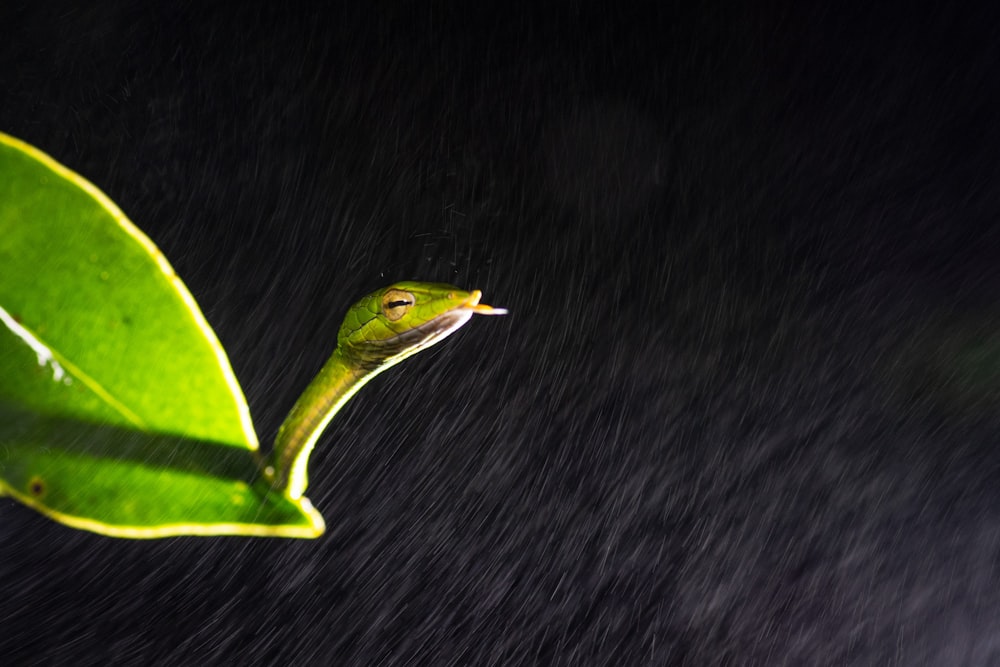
(744, 410)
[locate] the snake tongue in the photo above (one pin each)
(472, 303)
(483, 309)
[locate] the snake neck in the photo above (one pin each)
(335, 384)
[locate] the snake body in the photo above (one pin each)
(378, 332)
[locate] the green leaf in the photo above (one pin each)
(119, 411)
(127, 483)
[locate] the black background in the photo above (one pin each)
(745, 407)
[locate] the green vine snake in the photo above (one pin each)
(378, 332)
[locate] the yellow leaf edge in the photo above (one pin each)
(315, 529)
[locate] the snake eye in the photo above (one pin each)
(396, 303)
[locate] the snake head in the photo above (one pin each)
(395, 322)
